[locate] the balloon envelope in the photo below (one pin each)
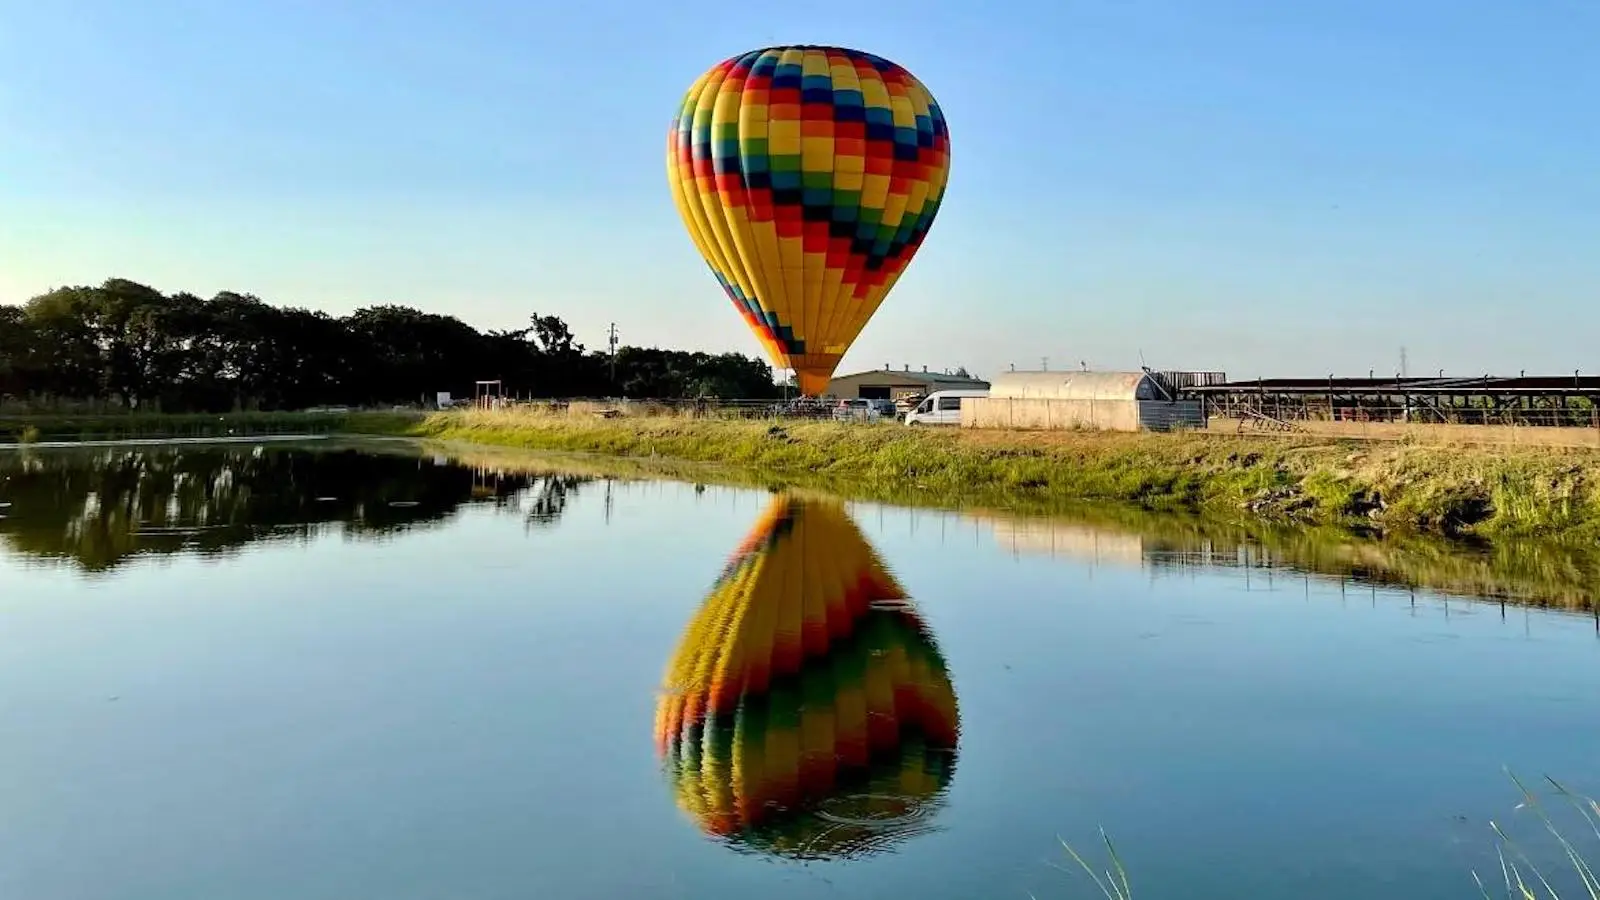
(807, 711)
(807, 177)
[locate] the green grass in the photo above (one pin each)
(1498, 492)
(1526, 572)
(1115, 885)
(1521, 877)
(27, 429)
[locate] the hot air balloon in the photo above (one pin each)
(807, 177)
(807, 711)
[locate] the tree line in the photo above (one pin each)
(128, 344)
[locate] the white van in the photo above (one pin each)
(941, 408)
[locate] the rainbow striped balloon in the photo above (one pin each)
(808, 177)
(807, 711)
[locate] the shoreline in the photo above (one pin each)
(1523, 573)
(1526, 570)
(1450, 490)
(271, 438)
(42, 429)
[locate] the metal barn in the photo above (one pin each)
(1101, 401)
(889, 384)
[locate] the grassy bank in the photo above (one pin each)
(1521, 571)
(153, 426)
(1496, 492)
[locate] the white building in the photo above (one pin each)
(1102, 401)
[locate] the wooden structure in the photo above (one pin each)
(488, 394)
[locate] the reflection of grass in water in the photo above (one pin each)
(1526, 572)
(1489, 491)
(1520, 877)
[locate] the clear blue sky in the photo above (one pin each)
(1257, 186)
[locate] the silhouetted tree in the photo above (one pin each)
(129, 344)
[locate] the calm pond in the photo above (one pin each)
(334, 671)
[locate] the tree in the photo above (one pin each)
(553, 336)
(16, 342)
(127, 343)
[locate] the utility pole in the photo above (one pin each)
(611, 343)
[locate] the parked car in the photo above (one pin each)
(863, 410)
(854, 408)
(941, 408)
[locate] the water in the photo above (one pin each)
(317, 672)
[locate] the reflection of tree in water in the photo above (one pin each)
(100, 507)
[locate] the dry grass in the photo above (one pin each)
(1516, 435)
(631, 409)
(1452, 489)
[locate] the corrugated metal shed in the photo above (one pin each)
(1075, 386)
(1108, 401)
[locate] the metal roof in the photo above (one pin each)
(1069, 385)
(1482, 384)
(924, 377)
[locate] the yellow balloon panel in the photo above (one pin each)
(807, 709)
(807, 178)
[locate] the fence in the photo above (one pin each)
(1547, 420)
(696, 409)
(1548, 428)
(1576, 413)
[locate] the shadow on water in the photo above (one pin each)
(100, 507)
(807, 711)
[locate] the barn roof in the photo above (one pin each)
(1071, 385)
(929, 378)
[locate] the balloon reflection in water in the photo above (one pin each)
(807, 711)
